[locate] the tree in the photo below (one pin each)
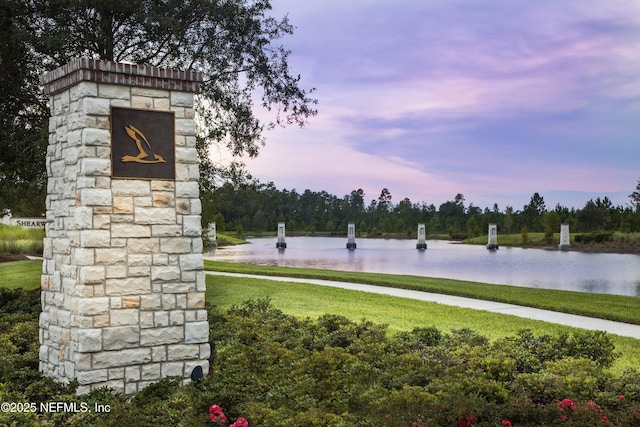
(386, 225)
(534, 210)
(356, 200)
(434, 225)
(591, 217)
(453, 208)
(240, 231)
(220, 224)
(606, 207)
(551, 225)
(331, 226)
(23, 114)
(563, 213)
(635, 197)
(508, 218)
(231, 41)
(452, 214)
(472, 228)
(406, 213)
(384, 200)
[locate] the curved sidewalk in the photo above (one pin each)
(618, 328)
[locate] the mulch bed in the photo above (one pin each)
(12, 257)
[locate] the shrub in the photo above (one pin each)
(419, 338)
(596, 237)
(577, 378)
(531, 352)
(277, 370)
(20, 301)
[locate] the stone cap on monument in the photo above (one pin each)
(120, 73)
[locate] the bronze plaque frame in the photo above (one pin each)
(143, 144)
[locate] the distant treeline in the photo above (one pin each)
(257, 206)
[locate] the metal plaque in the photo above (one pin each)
(142, 144)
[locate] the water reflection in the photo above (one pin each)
(583, 272)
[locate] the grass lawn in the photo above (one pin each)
(228, 239)
(514, 239)
(603, 306)
(400, 314)
(619, 242)
(21, 274)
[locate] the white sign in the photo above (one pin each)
(23, 222)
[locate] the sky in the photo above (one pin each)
(493, 99)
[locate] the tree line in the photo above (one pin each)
(256, 206)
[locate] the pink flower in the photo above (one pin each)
(240, 422)
(621, 397)
(507, 423)
(467, 420)
(604, 420)
(216, 415)
(565, 404)
(593, 405)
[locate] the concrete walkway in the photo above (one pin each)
(618, 328)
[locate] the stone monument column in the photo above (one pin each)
(565, 240)
(492, 243)
(422, 237)
(351, 236)
(281, 243)
(123, 283)
(212, 234)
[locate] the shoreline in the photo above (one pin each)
(594, 248)
(599, 249)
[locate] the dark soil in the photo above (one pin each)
(12, 257)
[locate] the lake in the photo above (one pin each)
(535, 268)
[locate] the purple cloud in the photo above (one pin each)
(493, 99)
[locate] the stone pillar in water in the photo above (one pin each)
(281, 244)
(565, 241)
(493, 237)
(422, 237)
(351, 236)
(212, 234)
(123, 285)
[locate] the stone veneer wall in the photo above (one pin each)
(123, 282)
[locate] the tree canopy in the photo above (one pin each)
(23, 112)
(233, 42)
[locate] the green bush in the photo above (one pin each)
(277, 370)
(596, 237)
(20, 301)
(531, 352)
(422, 377)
